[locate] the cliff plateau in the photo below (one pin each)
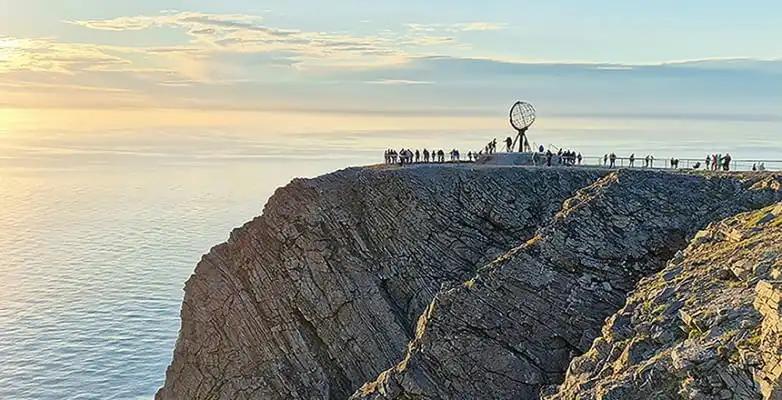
(439, 282)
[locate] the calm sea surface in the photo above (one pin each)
(100, 229)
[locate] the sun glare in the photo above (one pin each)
(7, 47)
(10, 120)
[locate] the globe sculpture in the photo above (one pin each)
(522, 116)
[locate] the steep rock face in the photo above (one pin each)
(514, 328)
(321, 293)
(707, 327)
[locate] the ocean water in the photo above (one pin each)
(101, 226)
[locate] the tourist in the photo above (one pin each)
(417, 156)
(509, 144)
(632, 160)
(580, 158)
(605, 160)
(548, 157)
(612, 158)
(726, 161)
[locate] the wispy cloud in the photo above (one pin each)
(248, 34)
(458, 27)
(399, 82)
(236, 61)
(481, 26)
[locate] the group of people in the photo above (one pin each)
(648, 161)
(714, 162)
(609, 160)
(408, 156)
(491, 147)
(566, 157)
(569, 157)
(717, 162)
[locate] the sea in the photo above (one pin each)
(104, 217)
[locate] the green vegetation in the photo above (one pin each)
(661, 308)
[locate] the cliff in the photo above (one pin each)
(707, 327)
(511, 270)
(322, 292)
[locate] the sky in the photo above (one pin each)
(719, 59)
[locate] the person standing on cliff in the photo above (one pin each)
(508, 144)
(605, 159)
(612, 158)
(726, 161)
(632, 160)
(549, 155)
(417, 155)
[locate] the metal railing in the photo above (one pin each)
(685, 163)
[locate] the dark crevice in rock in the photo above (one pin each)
(400, 313)
(339, 385)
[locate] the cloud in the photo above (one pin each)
(481, 26)
(458, 27)
(248, 34)
(118, 24)
(234, 61)
(46, 55)
(398, 82)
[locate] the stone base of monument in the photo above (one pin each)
(516, 159)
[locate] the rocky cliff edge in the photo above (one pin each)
(511, 270)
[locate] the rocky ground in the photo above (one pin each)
(322, 294)
(707, 327)
(514, 328)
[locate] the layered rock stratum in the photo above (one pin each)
(707, 327)
(445, 282)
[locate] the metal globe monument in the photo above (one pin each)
(522, 116)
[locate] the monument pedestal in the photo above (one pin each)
(516, 159)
